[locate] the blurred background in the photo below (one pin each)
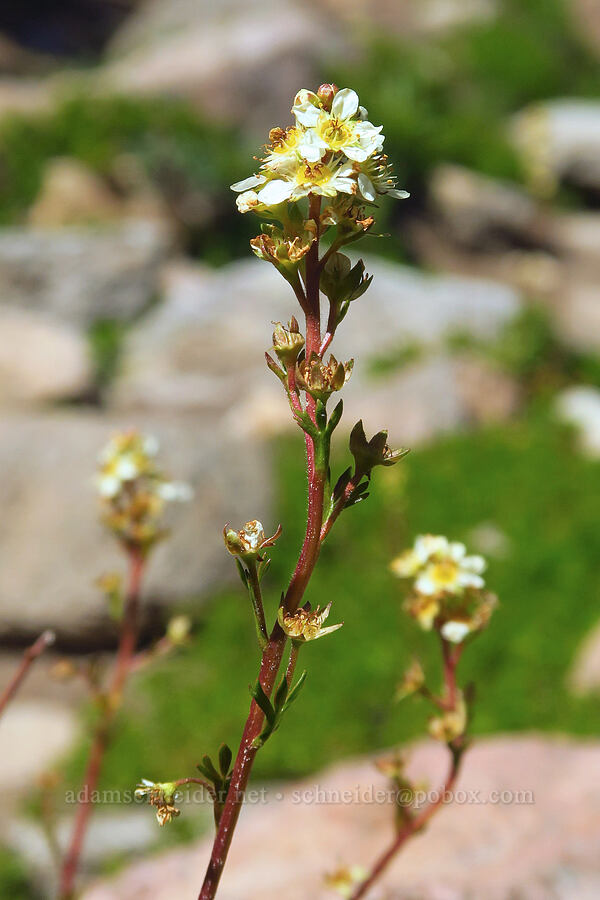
(128, 296)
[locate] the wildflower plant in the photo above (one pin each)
(314, 192)
(446, 596)
(133, 492)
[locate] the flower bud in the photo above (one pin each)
(326, 93)
(450, 725)
(287, 341)
(178, 630)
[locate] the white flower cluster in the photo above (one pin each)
(332, 149)
(444, 578)
(128, 457)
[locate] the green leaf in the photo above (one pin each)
(281, 696)
(242, 572)
(263, 701)
(225, 758)
(293, 694)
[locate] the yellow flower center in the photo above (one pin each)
(314, 173)
(283, 142)
(444, 573)
(336, 133)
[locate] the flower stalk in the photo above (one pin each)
(317, 176)
(45, 640)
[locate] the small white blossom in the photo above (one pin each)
(455, 632)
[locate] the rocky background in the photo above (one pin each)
(128, 297)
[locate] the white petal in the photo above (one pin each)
(306, 108)
(345, 103)
(363, 112)
(425, 585)
(276, 192)
(455, 632)
(108, 486)
(251, 182)
(474, 564)
(358, 154)
(311, 147)
(365, 186)
(398, 195)
(457, 550)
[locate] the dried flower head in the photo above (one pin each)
(412, 680)
(306, 625)
(249, 541)
(345, 879)
(376, 452)
(287, 341)
(161, 796)
(451, 724)
(320, 379)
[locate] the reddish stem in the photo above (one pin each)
(29, 657)
(411, 828)
(125, 657)
(273, 652)
(451, 655)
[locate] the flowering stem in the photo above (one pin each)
(412, 827)
(309, 553)
(29, 656)
(451, 654)
(125, 657)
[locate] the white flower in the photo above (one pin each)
(247, 201)
(175, 491)
(306, 108)
(455, 632)
(108, 486)
(428, 545)
(451, 572)
(303, 178)
(376, 178)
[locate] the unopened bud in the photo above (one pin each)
(287, 341)
(326, 93)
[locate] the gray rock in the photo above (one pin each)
(203, 347)
(34, 735)
(580, 406)
(109, 836)
(577, 314)
(40, 359)
(562, 136)
(52, 547)
(241, 61)
(477, 209)
(80, 275)
(546, 798)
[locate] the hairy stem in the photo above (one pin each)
(309, 553)
(257, 603)
(125, 656)
(29, 657)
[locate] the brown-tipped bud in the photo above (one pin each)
(326, 93)
(321, 379)
(287, 341)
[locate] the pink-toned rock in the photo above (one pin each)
(525, 823)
